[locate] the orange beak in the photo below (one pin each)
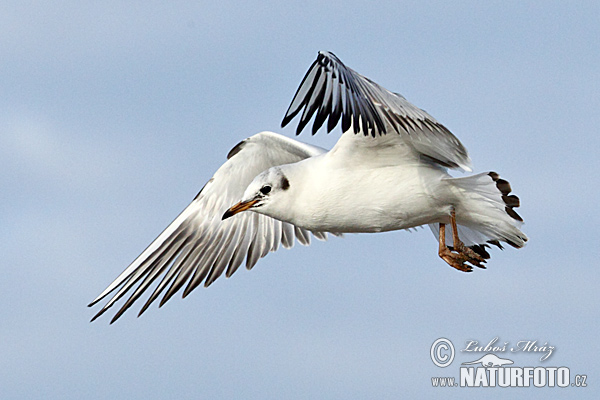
(239, 207)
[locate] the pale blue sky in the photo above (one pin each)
(113, 116)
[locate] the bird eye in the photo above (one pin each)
(265, 189)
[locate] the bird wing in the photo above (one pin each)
(334, 91)
(198, 246)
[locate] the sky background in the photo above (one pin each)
(113, 116)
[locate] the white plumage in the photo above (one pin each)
(388, 171)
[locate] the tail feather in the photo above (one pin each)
(485, 214)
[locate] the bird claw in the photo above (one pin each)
(457, 260)
(459, 254)
(470, 255)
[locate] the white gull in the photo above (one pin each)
(388, 171)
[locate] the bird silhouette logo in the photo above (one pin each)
(490, 360)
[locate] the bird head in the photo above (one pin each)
(262, 194)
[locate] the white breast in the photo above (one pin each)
(331, 194)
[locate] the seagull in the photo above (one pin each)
(388, 171)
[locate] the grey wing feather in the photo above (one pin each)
(334, 91)
(198, 247)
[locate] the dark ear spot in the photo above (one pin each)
(285, 184)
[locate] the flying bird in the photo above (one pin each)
(388, 171)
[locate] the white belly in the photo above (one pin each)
(373, 200)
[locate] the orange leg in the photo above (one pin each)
(461, 253)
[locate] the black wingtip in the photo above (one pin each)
(116, 317)
(510, 200)
(95, 317)
(146, 306)
(142, 311)
(286, 120)
(95, 301)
